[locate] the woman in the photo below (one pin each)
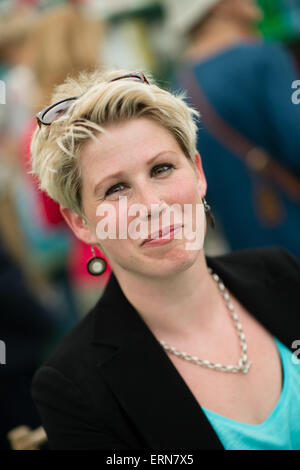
(122, 141)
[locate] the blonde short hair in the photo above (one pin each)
(56, 148)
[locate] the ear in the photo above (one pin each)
(201, 180)
(77, 225)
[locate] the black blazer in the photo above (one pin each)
(110, 384)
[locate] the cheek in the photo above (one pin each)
(113, 218)
(185, 190)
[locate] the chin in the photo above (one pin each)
(169, 266)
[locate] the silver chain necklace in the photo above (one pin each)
(243, 364)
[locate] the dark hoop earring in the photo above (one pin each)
(208, 212)
(96, 265)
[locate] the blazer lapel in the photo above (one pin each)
(145, 381)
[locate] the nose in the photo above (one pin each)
(151, 201)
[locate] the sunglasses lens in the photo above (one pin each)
(57, 111)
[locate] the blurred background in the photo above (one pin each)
(239, 62)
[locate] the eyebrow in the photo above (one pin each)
(121, 173)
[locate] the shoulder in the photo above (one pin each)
(274, 56)
(68, 381)
(78, 353)
(262, 50)
(76, 406)
(243, 64)
(71, 358)
(260, 55)
(275, 257)
(278, 261)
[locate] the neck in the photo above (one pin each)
(218, 35)
(174, 306)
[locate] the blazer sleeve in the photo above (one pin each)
(67, 415)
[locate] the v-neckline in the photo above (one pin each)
(274, 412)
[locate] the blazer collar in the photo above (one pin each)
(145, 381)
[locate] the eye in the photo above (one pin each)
(164, 167)
(113, 189)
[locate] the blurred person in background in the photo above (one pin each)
(37, 253)
(17, 76)
(17, 80)
(28, 326)
(249, 136)
(38, 277)
(64, 41)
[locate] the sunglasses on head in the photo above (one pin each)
(53, 112)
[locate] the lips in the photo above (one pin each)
(161, 233)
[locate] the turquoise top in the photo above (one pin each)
(281, 430)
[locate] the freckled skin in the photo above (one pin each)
(128, 148)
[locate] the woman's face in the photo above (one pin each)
(152, 172)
